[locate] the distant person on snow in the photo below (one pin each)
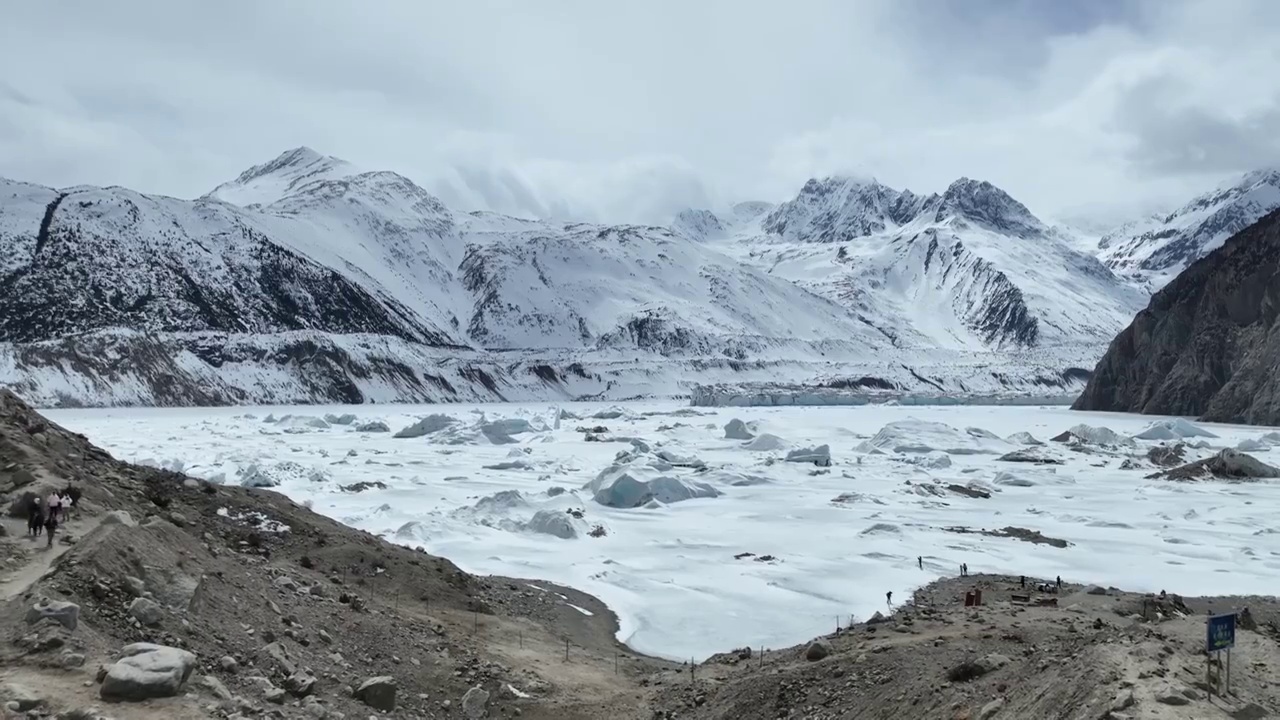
(920, 561)
(888, 598)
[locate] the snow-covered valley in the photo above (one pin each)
(704, 537)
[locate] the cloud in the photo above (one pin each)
(629, 112)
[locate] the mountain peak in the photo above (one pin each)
(987, 205)
(266, 183)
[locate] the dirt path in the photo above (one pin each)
(29, 558)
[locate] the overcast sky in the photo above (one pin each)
(600, 109)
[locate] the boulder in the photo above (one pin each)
(25, 697)
(119, 517)
(475, 702)
(817, 650)
(300, 684)
(1169, 695)
(66, 613)
(146, 670)
(992, 662)
(373, 426)
(1226, 465)
(343, 419)
(146, 611)
(215, 687)
(378, 693)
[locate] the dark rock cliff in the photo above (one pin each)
(1208, 344)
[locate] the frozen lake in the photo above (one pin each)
(676, 573)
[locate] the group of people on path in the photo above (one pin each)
(44, 515)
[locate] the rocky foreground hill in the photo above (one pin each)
(173, 598)
(1208, 345)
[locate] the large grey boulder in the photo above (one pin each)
(475, 703)
(735, 429)
(66, 613)
(146, 670)
(378, 693)
(146, 611)
(427, 425)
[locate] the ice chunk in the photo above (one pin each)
(634, 481)
(625, 490)
(343, 419)
(1013, 480)
(935, 460)
(882, 529)
(765, 442)
(1173, 429)
(373, 426)
(679, 459)
(1091, 435)
(1271, 437)
(1253, 445)
(430, 424)
(1023, 438)
(555, 522)
(295, 424)
(510, 465)
(919, 436)
(820, 455)
(612, 413)
(735, 429)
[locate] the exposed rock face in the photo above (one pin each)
(1207, 345)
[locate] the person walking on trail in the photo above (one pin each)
(1059, 582)
(50, 526)
(52, 505)
(35, 520)
(920, 561)
(1022, 581)
(888, 598)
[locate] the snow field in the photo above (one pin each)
(502, 491)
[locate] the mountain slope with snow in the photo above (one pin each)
(1153, 251)
(970, 269)
(307, 279)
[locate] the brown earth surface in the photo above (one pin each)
(289, 612)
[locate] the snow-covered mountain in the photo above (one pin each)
(1154, 250)
(308, 279)
(968, 269)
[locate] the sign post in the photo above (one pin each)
(1220, 636)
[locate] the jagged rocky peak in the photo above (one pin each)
(986, 205)
(698, 224)
(1207, 344)
(287, 173)
(840, 208)
(1155, 250)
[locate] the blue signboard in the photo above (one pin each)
(1221, 631)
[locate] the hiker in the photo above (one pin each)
(920, 561)
(964, 569)
(50, 526)
(1059, 582)
(1022, 581)
(34, 518)
(52, 505)
(888, 598)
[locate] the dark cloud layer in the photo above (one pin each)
(628, 112)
